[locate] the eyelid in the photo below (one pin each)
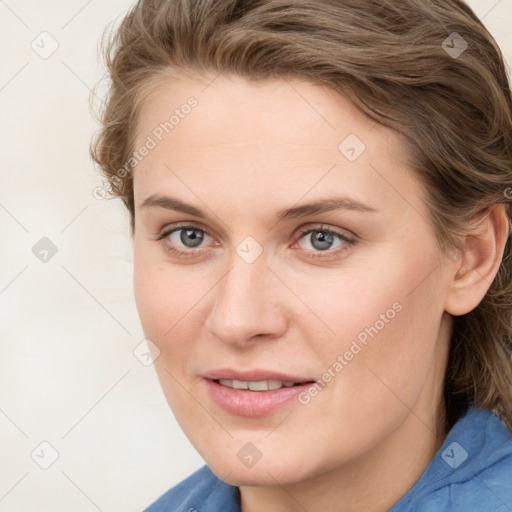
(347, 243)
(170, 228)
(342, 233)
(346, 236)
(181, 252)
(303, 230)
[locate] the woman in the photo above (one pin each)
(319, 195)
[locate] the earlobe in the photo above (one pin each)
(475, 271)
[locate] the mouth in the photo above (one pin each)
(254, 393)
(258, 385)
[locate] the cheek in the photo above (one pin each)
(165, 307)
(151, 300)
(361, 302)
(170, 302)
(164, 297)
(386, 321)
(161, 303)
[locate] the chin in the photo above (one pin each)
(257, 475)
(266, 471)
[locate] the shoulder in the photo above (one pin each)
(471, 471)
(202, 491)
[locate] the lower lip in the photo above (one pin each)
(253, 403)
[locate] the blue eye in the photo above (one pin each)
(184, 240)
(189, 237)
(192, 241)
(323, 240)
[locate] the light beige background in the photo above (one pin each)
(69, 326)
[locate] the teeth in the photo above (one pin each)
(239, 384)
(275, 384)
(260, 385)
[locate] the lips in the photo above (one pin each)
(254, 392)
(260, 385)
(255, 376)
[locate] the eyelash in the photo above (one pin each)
(347, 241)
(177, 227)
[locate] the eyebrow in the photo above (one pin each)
(319, 206)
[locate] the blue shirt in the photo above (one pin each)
(471, 472)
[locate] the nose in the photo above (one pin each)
(247, 305)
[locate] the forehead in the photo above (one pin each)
(231, 109)
(280, 137)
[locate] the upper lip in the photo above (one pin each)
(253, 375)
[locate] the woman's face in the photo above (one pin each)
(294, 247)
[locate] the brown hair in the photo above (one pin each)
(399, 62)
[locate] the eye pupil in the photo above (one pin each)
(191, 237)
(321, 240)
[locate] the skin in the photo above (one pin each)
(248, 150)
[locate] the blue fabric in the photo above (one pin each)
(471, 472)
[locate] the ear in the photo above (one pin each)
(475, 271)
